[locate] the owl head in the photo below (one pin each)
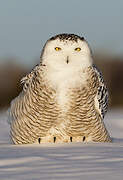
(66, 51)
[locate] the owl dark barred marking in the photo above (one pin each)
(64, 98)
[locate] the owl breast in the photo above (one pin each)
(72, 99)
(64, 82)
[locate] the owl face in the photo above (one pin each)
(66, 51)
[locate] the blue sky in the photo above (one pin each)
(25, 25)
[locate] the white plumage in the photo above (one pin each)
(64, 98)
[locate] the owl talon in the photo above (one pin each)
(83, 138)
(71, 139)
(54, 139)
(39, 140)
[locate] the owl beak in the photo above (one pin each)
(67, 61)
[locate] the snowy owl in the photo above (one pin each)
(64, 98)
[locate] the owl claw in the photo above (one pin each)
(83, 138)
(54, 139)
(71, 139)
(39, 140)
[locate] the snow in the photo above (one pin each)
(74, 161)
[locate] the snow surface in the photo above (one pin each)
(74, 161)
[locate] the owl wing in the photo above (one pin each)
(26, 80)
(101, 102)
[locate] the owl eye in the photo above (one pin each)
(57, 48)
(78, 49)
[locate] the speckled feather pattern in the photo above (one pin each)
(37, 116)
(102, 92)
(66, 37)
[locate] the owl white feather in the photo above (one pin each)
(64, 98)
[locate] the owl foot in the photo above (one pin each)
(75, 140)
(78, 139)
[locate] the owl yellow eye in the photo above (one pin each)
(78, 49)
(57, 48)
